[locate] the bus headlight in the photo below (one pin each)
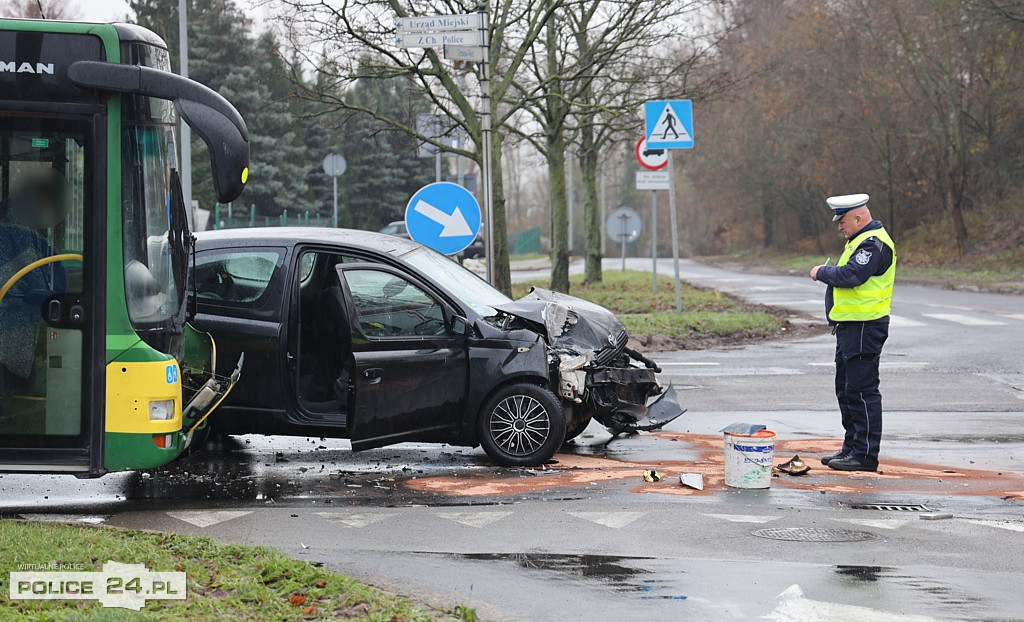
(162, 410)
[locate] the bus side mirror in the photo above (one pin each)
(208, 114)
(229, 151)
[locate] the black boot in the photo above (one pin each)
(839, 455)
(849, 463)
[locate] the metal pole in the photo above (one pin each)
(485, 122)
(334, 220)
(571, 199)
(675, 231)
(654, 241)
(604, 209)
(460, 173)
(437, 165)
(186, 133)
(625, 234)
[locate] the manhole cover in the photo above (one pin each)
(813, 534)
(891, 507)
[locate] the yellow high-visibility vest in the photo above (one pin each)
(872, 299)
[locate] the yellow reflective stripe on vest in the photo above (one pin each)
(872, 299)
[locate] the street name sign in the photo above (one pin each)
(443, 216)
(472, 54)
(439, 39)
(439, 23)
(668, 124)
(653, 180)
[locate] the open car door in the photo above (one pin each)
(411, 370)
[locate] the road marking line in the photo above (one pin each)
(1013, 316)
(65, 518)
(357, 520)
(207, 518)
(904, 322)
(615, 520)
(744, 518)
(886, 364)
(689, 364)
(878, 523)
(793, 605)
(475, 519)
(966, 320)
(1001, 524)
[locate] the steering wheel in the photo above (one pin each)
(39, 263)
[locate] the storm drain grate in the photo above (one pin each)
(813, 534)
(891, 507)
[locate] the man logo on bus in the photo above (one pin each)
(172, 373)
(10, 66)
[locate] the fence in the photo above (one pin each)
(223, 217)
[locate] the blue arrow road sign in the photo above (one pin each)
(669, 124)
(443, 216)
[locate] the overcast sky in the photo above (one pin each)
(101, 10)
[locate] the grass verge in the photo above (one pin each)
(709, 317)
(224, 581)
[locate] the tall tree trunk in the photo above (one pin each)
(559, 214)
(954, 205)
(502, 275)
(555, 152)
(591, 205)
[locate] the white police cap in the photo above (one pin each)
(842, 204)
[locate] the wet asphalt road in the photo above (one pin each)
(587, 539)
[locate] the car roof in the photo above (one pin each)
(290, 236)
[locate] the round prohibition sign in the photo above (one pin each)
(652, 159)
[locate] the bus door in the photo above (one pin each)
(48, 312)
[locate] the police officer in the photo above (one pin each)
(857, 303)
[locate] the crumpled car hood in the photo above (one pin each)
(568, 322)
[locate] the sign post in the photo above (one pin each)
(335, 165)
(624, 225)
(668, 125)
(654, 241)
(463, 38)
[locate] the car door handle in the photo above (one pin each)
(373, 375)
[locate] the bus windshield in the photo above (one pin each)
(148, 157)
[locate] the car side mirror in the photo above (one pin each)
(460, 325)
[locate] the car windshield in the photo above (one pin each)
(470, 288)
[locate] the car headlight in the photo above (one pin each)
(162, 410)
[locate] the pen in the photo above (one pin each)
(828, 260)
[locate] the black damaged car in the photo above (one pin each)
(374, 338)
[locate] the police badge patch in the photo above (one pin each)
(862, 257)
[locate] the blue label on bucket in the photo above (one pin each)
(761, 449)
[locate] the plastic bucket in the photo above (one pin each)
(749, 459)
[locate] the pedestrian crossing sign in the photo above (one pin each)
(669, 124)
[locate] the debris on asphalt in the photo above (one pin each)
(794, 466)
(652, 476)
(936, 515)
(692, 480)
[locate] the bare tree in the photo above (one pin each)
(358, 36)
(40, 9)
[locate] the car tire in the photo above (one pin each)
(521, 425)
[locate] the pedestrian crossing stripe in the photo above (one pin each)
(615, 520)
(207, 518)
(65, 518)
(899, 321)
(966, 320)
(744, 518)
(877, 523)
(356, 520)
(475, 519)
(1000, 524)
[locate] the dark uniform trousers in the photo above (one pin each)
(858, 347)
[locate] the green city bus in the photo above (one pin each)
(99, 369)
